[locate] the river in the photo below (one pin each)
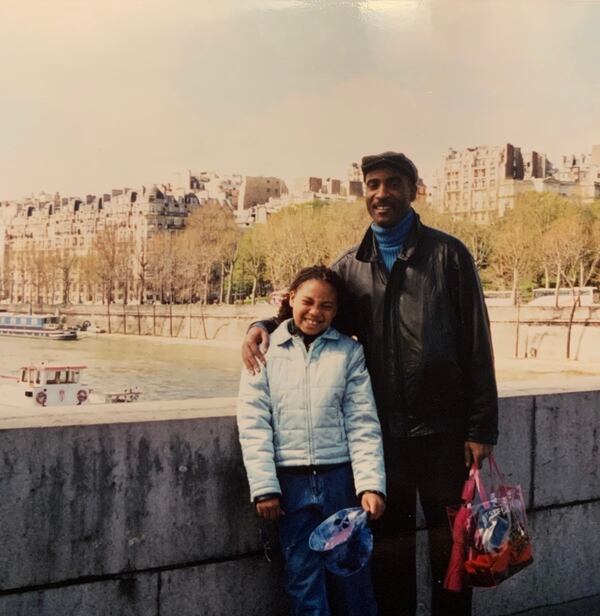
(160, 368)
(172, 368)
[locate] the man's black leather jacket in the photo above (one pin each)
(426, 336)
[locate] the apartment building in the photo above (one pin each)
(258, 190)
(332, 186)
(481, 182)
(308, 185)
(217, 187)
(354, 184)
(578, 175)
(44, 228)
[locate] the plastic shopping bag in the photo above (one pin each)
(490, 531)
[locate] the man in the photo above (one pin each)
(417, 307)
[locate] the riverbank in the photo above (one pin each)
(159, 340)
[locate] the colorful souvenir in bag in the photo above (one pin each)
(493, 538)
(501, 543)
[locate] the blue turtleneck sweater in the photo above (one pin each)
(391, 240)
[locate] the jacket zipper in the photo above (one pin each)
(307, 355)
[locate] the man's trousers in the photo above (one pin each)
(433, 466)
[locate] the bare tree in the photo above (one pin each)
(141, 260)
(293, 240)
(512, 253)
(212, 239)
(66, 263)
(229, 253)
(252, 257)
(111, 257)
(8, 276)
(88, 275)
(573, 242)
(162, 264)
(38, 266)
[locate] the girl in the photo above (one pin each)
(311, 441)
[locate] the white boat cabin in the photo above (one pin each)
(54, 385)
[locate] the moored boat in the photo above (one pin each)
(47, 385)
(35, 326)
(55, 385)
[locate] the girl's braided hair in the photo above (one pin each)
(314, 272)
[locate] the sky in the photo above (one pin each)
(100, 95)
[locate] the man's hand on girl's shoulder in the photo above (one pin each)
(254, 347)
(373, 503)
(269, 508)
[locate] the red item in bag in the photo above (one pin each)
(460, 525)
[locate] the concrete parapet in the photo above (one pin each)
(144, 509)
(134, 595)
(251, 587)
(108, 498)
(567, 448)
(514, 449)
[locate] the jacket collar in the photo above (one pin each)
(282, 334)
(367, 249)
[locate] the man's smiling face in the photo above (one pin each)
(388, 195)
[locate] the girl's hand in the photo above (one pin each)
(269, 509)
(373, 504)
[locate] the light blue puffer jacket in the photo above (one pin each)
(310, 408)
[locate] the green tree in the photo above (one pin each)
(252, 258)
(512, 253)
(211, 241)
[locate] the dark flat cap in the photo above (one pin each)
(391, 159)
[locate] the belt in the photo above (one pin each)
(315, 469)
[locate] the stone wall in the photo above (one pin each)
(541, 332)
(144, 510)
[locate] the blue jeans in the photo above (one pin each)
(308, 498)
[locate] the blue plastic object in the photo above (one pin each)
(345, 541)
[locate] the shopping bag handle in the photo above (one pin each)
(495, 470)
(475, 475)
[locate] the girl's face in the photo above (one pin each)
(314, 304)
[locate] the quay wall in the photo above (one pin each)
(529, 331)
(143, 510)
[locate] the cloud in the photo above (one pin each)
(108, 93)
(321, 133)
